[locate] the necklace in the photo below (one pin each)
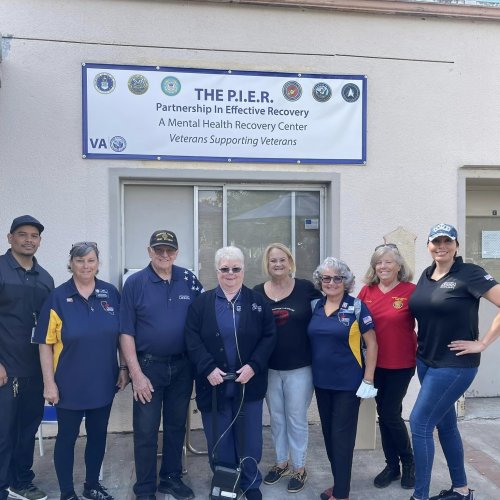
(280, 293)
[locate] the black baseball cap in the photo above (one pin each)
(163, 237)
(26, 220)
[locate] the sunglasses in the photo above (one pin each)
(336, 279)
(162, 251)
(92, 244)
(387, 245)
(234, 270)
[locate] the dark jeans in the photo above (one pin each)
(392, 386)
(435, 407)
(20, 418)
(230, 450)
(338, 412)
(96, 425)
(173, 384)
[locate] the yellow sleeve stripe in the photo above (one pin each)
(355, 342)
(53, 336)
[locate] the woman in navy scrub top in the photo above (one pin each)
(445, 304)
(78, 335)
(339, 371)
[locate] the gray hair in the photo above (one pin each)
(340, 267)
(233, 253)
(404, 274)
(81, 249)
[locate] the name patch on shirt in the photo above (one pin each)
(184, 297)
(449, 284)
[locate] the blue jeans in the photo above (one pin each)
(435, 407)
(288, 397)
(173, 384)
(96, 425)
(20, 417)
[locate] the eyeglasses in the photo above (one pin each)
(162, 251)
(336, 279)
(388, 245)
(234, 270)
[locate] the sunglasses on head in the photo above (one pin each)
(387, 245)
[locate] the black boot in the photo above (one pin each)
(387, 476)
(408, 476)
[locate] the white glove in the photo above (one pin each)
(366, 391)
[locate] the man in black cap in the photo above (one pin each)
(153, 312)
(24, 286)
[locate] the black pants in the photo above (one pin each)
(173, 385)
(20, 417)
(338, 412)
(96, 425)
(392, 386)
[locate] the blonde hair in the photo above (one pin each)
(404, 273)
(284, 249)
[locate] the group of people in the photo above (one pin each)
(281, 341)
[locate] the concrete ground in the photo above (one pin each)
(480, 432)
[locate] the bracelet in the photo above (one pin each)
(124, 367)
(367, 382)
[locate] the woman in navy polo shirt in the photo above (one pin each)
(78, 333)
(445, 304)
(340, 374)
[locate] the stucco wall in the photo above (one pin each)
(433, 106)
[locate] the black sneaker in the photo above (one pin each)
(276, 473)
(297, 482)
(408, 476)
(174, 486)
(28, 492)
(386, 477)
(451, 494)
(96, 492)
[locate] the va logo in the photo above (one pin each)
(116, 143)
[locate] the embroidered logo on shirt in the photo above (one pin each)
(101, 293)
(69, 299)
(398, 302)
(184, 297)
(256, 307)
(489, 277)
(449, 284)
(109, 309)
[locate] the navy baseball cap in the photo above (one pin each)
(442, 230)
(26, 220)
(163, 237)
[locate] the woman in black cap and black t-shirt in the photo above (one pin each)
(445, 304)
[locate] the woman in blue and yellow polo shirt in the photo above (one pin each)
(340, 374)
(78, 333)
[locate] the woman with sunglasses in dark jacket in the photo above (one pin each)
(386, 293)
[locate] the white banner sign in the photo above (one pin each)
(161, 113)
